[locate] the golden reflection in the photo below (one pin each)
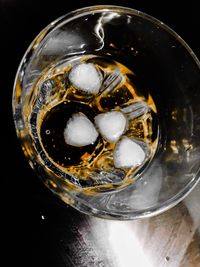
(18, 91)
(187, 145)
(174, 115)
(174, 147)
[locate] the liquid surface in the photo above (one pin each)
(102, 164)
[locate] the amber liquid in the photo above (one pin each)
(54, 100)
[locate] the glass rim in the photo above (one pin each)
(137, 214)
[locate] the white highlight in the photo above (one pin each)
(63, 42)
(125, 246)
(86, 78)
(128, 154)
(80, 131)
(111, 125)
(99, 28)
(192, 203)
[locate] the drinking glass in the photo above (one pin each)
(167, 69)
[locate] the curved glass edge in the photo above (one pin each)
(77, 203)
(147, 213)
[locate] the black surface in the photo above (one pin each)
(29, 238)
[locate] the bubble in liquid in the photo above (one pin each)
(48, 132)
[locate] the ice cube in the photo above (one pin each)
(80, 131)
(145, 192)
(111, 81)
(136, 109)
(111, 125)
(86, 78)
(128, 153)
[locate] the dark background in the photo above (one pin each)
(37, 227)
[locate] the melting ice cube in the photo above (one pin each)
(86, 78)
(128, 154)
(145, 192)
(80, 131)
(136, 109)
(111, 125)
(111, 81)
